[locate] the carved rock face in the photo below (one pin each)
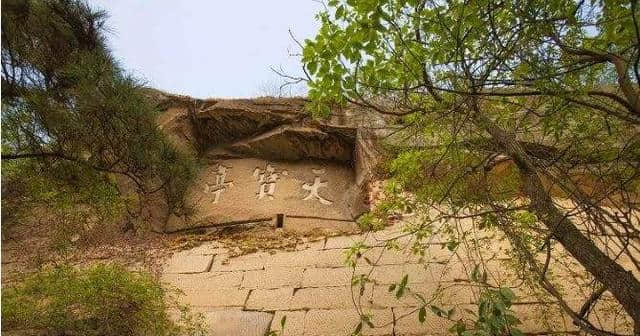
(276, 132)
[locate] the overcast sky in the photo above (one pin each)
(209, 48)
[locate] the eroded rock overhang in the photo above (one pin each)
(268, 156)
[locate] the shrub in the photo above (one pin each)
(102, 300)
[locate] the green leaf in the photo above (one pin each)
(516, 332)
(507, 294)
(340, 12)
(311, 67)
(283, 320)
(474, 273)
(422, 314)
(358, 329)
(438, 311)
(402, 286)
(452, 245)
(367, 320)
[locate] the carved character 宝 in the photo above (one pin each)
(267, 179)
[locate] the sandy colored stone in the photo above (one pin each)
(311, 245)
(328, 297)
(185, 263)
(330, 258)
(319, 226)
(296, 142)
(385, 256)
(320, 322)
(383, 274)
(270, 299)
(262, 260)
(253, 261)
(273, 277)
(241, 198)
(294, 323)
(342, 242)
(391, 235)
(237, 322)
(323, 258)
(204, 281)
(323, 277)
(227, 297)
(208, 248)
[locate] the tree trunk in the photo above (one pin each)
(620, 282)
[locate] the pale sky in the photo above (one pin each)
(210, 48)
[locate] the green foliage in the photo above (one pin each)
(497, 103)
(423, 60)
(84, 205)
(69, 108)
(493, 317)
(101, 300)
(283, 322)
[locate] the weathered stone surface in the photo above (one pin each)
(209, 248)
(289, 142)
(183, 262)
(324, 277)
(312, 225)
(237, 322)
(294, 323)
(327, 297)
(206, 123)
(385, 256)
(312, 287)
(219, 121)
(273, 277)
(253, 261)
(240, 190)
(330, 258)
(367, 155)
(204, 281)
(225, 297)
(311, 245)
(223, 130)
(321, 322)
(383, 274)
(270, 299)
(342, 242)
(323, 258)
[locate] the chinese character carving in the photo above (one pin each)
(267, 181)
(314, 188)
(220, 185)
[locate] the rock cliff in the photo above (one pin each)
(277, 129)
